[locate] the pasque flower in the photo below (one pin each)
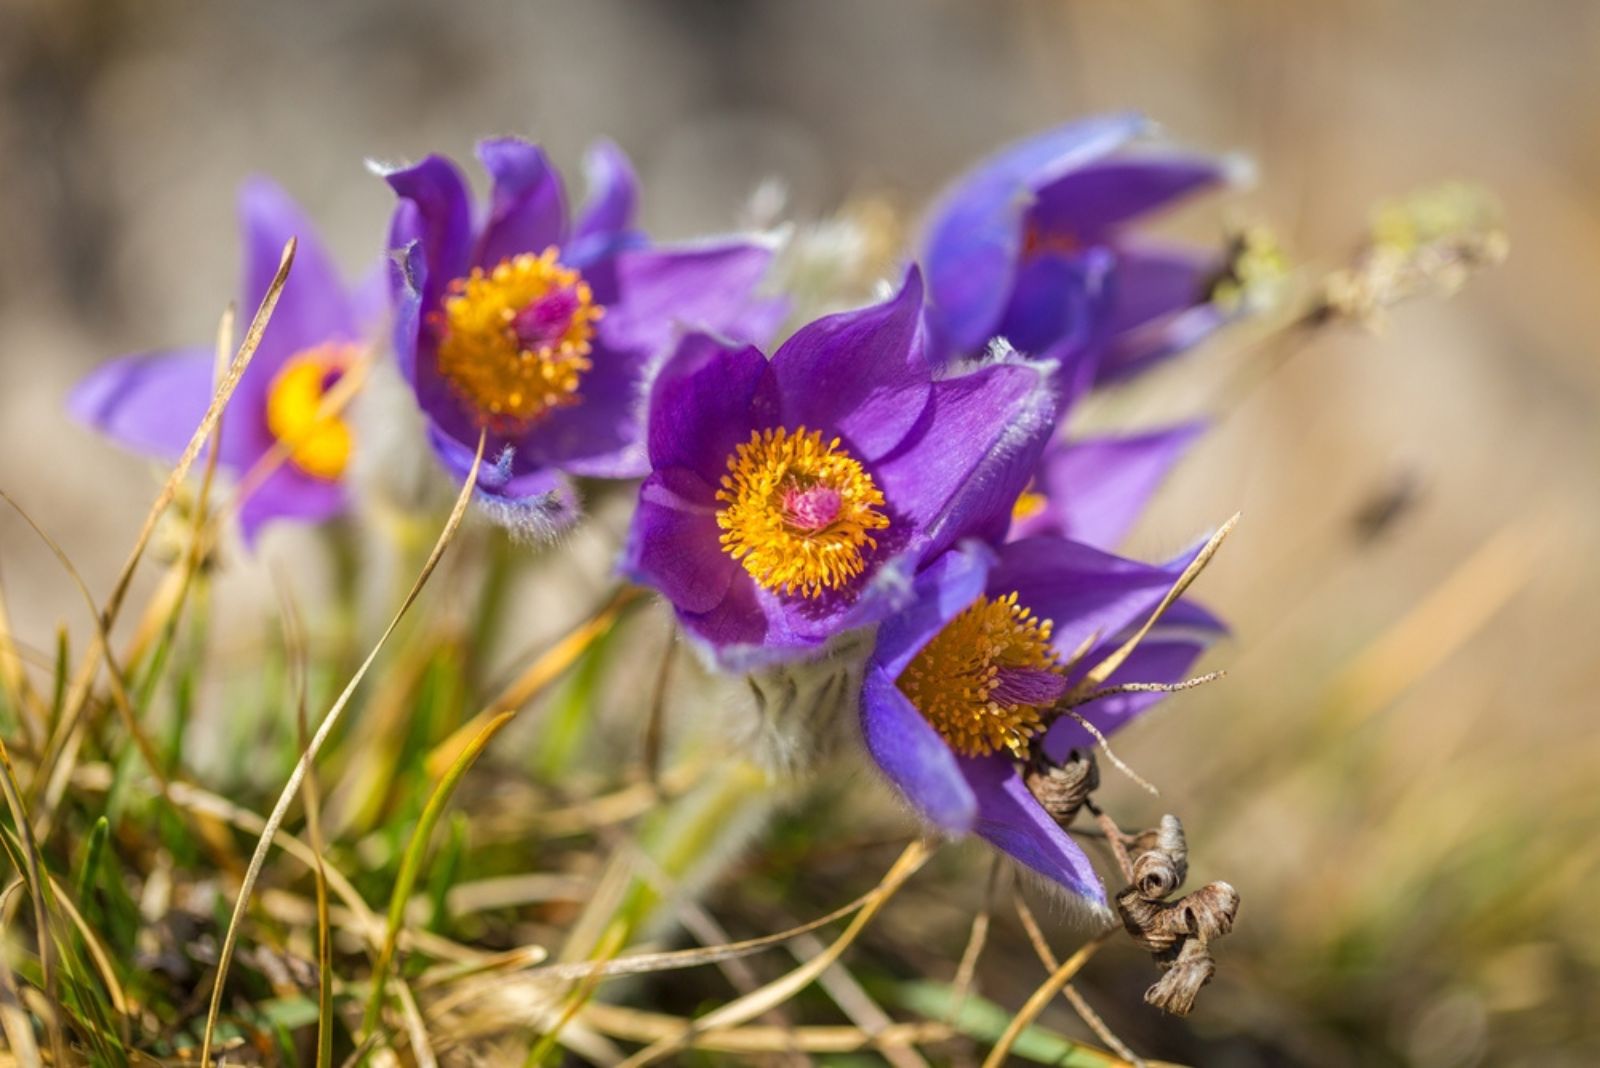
(538, 328)
(793, 499)
(960, 686)
(153, 402)
(1034, 245)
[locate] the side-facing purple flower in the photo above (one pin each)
(794, 499)
(538, 328)
(1033, 245)
(959, 685)
(153, 402)
(1093, 490)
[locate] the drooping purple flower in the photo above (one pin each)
(538, 328)
(792, 500)
(1034, 245)
(152, 402)
(958, 684)
(1093, 490)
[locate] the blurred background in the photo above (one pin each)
(1400, 771)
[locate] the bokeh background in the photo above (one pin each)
(1400, 772)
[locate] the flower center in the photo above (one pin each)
(982, 681)
(318, 445)
(515, 340)
(798, 511)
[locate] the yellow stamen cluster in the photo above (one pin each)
(761, 530)
(956, 680)
(508, 380)
(318, 445)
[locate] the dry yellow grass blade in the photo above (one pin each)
(15, 1023)
(1080, 1005)
(1042, 997)
(783, 988)
(61, 752)
(14, 682)
(637, 1026)
(292, 787)
(1098, 674)
(668, 960)
(97, 953)
(32, 873)
(295, 654)
(539, 674)
(119, 690)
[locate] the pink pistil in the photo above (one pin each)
(544, 322)
(813, 508)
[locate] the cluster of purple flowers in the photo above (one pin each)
(897, 470)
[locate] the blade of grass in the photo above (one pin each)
(781, 989)
(411, 861)
(1042, 997)
(1103, 670)
(539, 674)
(985, 1021)
(55, 768)
(31, 871)
(335, 713)
(1080, 1005)
(295, 653)
(14, 682)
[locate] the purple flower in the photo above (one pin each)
(958, 684)
(1092, 490)
(539, 328)
(794, 499)
(153, 402)
(1032, 245)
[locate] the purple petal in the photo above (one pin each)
(1083, 590)
(1051, 300)
(314, 307)
(151, 402)
(1011, 820)
(861, 374)
(704, 403)
(435, 210)
(601, 436)
(289, 493)
(1153, 282)
(613, 192)
(975, 239)
(942, 591)
(749, 628)
(663, 292)
(533, 503)
(1090, 202)
(1096, 489)
(527, 208)
(961, 468)
(1139, 350)
(673, 546)
(914, 756)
